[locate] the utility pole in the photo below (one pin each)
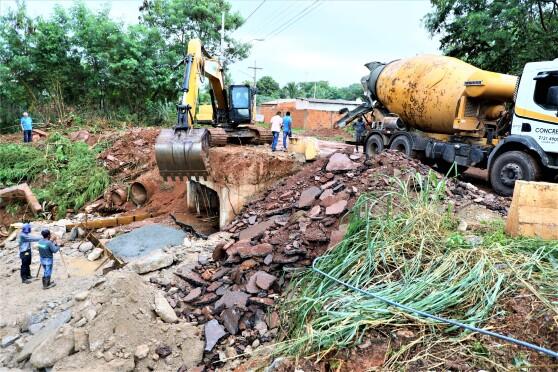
(255, 68)
(255, 104)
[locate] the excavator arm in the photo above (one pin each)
(183, 151)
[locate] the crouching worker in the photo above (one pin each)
(25, 240)
(46, 248)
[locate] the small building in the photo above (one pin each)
(307, 113)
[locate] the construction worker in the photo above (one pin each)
(25, 241)
(360, 127)
(276, 123)
(287, 129)
(47, 247)
(27, 127)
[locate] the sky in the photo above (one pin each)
(306, 40)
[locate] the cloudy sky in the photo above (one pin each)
(306, 40)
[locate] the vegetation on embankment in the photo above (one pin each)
(403, 246)
(62, 174)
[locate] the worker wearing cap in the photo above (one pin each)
(27, 127)
(287, 127)
(276, 124)
(25, 240)
(46, 249)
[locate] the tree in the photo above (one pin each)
(497, 35)
(290, 90)
(267, 86)
(182, 20)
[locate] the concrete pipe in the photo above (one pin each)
(143, 189)
(118, 196)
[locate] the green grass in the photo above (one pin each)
(402, 245)
(62, 174)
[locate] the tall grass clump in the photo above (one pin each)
(401, 245)
(63, 174)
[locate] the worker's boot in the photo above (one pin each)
(49, 283)
(45, 282)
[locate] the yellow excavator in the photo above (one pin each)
(183, 151)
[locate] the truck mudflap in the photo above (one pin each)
(182, 153)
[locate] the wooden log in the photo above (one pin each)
(534, 210)
(111, 221)
(22, 191)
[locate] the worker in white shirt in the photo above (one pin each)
(276, 124)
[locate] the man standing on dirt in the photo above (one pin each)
(27, 127)
(287, 127)
(25, 241)
(46, 248)
(276, 123)
(359, 126)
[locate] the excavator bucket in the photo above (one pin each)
(182, 153)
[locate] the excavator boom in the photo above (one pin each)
(182, 151)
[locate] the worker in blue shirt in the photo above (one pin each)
(360, 128)
(46, 248)
(25, 240)
(287, 128)
(27, 127)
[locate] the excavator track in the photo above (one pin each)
(263, 135)
(217, 137)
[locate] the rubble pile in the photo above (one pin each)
(131, 154)
(233, 293)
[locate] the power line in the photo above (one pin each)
(278, 15)
(291, 22)
(254, 11)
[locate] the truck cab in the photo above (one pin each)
(531, 149)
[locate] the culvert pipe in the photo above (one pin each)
(118, 196)
(143, 189)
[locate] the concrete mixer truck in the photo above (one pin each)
(448, 112)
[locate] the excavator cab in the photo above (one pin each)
(240, 97)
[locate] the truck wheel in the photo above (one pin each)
(374, 145)
(403, 144)
(510, 167)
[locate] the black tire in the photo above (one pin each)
(403, 144)
(374, 145)
(510, 167)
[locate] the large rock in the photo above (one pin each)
(232, 299)
(260, 250)
(308, 196)
(53, 348)
(95, 254)
(213, 333)
(153, 261)
(340, 163)
(49, 330)
(336, 208)
(85, 247)
(264, 280)
(256, 229)
(164, 310)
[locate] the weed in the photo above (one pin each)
(401, 245)
(70, 176)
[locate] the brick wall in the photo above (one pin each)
(304, 119)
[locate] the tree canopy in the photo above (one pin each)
(80, 60)
(496, 35)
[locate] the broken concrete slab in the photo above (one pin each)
(213, 333)
(154, 260)
(256, 229)
(53, 348)
(339, 162)
(164, 309)
(146, 239)
(50, 328)
(232, 299)
(308, 196)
